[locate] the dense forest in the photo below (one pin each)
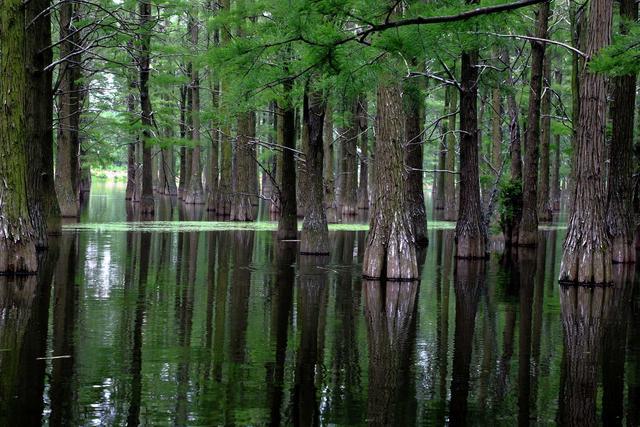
(509, 112)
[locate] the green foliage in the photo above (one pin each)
(509, 202)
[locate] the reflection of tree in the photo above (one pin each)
(633, 360)
(65, 306)
(468, 284)
(281, 300)
(585, 311)
(390, 311)
(24, 310)
(527, 271)
(312, 303)
(442, 342)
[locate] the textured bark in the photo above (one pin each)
(587, 252)
(245, 169)
(17, 236)
(544, 201)
(214, 83)
(391, 314)
(450, 202)
(363, 143)
(328, 172)
(390, 248)
(195, 193)
(146, 198)
(438, 201)
(555, 169)
(42, 200)
(528, 232)
(496, 129)
(413, 158)
(470, 230)
(620, 216)
(69, 95)
(349, 171)
(314, 237)
(288, 222)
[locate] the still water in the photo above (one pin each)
(195, 324)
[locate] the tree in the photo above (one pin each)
(349, 170)
(288, 222)
(587, 253)
(450, 201)
(620, 216)
(363, 138)
(544, 201)
(17, 236)
(146, 199)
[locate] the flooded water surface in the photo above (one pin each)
(209, 323)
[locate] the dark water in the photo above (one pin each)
(188, 325)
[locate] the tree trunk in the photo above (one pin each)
(195, 193)
(349, 171)
(363, 138)
(587, 254)
(528, 232)
(496, 130)
(470, 231)
(413, 158)
(225, 185)
(620, 216)
(67, 164)
(328, 173)
(17, 236)
(544, 202)
(438, 201)
(182, 189)
(214, 81)
(450, 202)
(245, 169)
(42, 200)
(390, 248)
(146, 198)
(314, 238)
(555, 169)
(288, 222)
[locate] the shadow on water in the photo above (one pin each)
(231, 327)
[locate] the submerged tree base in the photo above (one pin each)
(17, 258)
(623, 250)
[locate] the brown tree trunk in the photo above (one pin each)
(413, 158)
(195, 193)
(42, 200)
(471, 235)
(328, 173)
(146, 198)
(225, 184)
(363, 138)
(349, 172)
(620, 216)
(17, 236)
(390, 248)
(587, 252)
(555, 169)
(528, 232)
(314, 238)
(245, 169)
(182, 178)
(450, 201)
(438, 202)
(544, 201)
(496, 129)
(67, 164)
(214, 82)
(288, 222)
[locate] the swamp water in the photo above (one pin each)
(192, 323)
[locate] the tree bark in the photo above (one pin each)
(470, 231)
(288, 222)
(182, 178)
(555, 169)
(225, 184)
(314, 238)
(245, 169)
(42, 200)
(450, 202)
(363, 139)
(146, 198)
(390, 248)
(496, 129)
(17, 236)
(214, 82)
(544, 202)
(620, 216)
(67, 164)
(195, 193)
(413, 159)
(328, 172)
(528, 232)
(349, 171)
(587, 252)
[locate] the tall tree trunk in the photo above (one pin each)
(528, 232)
(438, 202)
(17, 236)
(349, 171)
(471, 235)
(314, 238)
(363, 138)
(67, 164)
(245, 169)
(587, 252)
(225, 184)
(413, 158)
(195, 192)
(146, 198)
(214, 82)
(182, 178)
(328, 173)
(496, 129)
(42, 200)
(555, 169)
(544, 201)
(288, 222)
(450, 201)
(620, 215)
(390, 248)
